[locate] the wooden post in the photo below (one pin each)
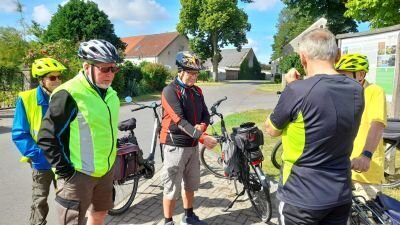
(29, 82)
(395, 111)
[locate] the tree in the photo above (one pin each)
(380, 13)
(332, 10)
(80, 20)
(12, 46)
(213, 24)
(289, 26)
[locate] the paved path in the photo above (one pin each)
(213, 196)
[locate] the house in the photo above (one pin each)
(155, 48)
(229, 66)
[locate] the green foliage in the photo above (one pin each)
(332, 10)
(289, 26)
(265, 66)
(277, 78)
(250, 73)
(154, 75)
(62, 50)
(289, 62)
(131, 75)
(80, 20)
(12, 47)
(380, 13)
(213, 24)
(204, 75)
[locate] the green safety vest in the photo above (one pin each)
(33, 111)
(93, 132)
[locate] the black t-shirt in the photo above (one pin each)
(319, 118)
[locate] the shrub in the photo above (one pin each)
(289, 61)
(277, 78)
(204, 75)
(154, 75)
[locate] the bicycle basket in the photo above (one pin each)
(127, 161)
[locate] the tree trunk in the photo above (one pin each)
(215, 58)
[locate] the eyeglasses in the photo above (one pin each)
(113, 69)
(192, 72)
(54, 78)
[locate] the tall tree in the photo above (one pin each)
(80, 20)
(12, 46)
(332, 10)
(380, 13)
(213, 24)
(289, 26)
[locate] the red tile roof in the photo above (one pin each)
(148, 45)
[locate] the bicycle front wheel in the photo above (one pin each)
(259, 198)
(212, 160)
(123, 195)
(276, 155)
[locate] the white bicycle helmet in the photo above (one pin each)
(98, 51)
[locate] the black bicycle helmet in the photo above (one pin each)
(187, 61)
(98, 51)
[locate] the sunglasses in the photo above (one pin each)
(54, 78)
(113, 69)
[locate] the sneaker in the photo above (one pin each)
(170, 223)
(192, 220)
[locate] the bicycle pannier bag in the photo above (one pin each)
(249, 138)
(126, 162)
(231, 159)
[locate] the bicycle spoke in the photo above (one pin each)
(212, 161)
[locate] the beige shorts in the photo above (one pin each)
(181, 168)
(76, 194)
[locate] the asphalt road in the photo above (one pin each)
(15, 177)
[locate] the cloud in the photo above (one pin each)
(137, 13)
(41, 14)
(8, 6)
(251, 43)
(262, 5)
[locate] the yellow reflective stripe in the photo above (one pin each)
(33, 111)
(272, 124)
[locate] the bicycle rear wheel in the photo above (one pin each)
(392, 165)
(123, 195)
(212, 160)
(276, 155)
(259, 198)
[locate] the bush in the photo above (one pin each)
(277, 78)
(289, 61)
(154, 75)
(131, 75)
(204, 75)
(250, 73)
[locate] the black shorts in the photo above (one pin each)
(292, 215)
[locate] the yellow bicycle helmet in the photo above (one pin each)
(353, 63)
(41, 67)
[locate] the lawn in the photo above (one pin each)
(270, 87)
(258, 116)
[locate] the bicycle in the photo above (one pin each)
(391, 139)
(125, 188)
(254, 182)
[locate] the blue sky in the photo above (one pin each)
(138, 17)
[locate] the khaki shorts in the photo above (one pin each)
(181, 168)
(76, 194)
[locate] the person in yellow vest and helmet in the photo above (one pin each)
(30, 108)
(79, 136)
(367, 157)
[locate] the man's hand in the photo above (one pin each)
(201, 127)
(360, 164)
(292, 75)
(210, 142)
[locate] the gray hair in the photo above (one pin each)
(319, 44)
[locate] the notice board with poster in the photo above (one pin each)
(381, 46)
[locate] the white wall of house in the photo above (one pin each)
(167, 57)
(137, 61)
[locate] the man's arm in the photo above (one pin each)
(271, 129)
(62, 110)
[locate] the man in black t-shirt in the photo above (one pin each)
(318, 118)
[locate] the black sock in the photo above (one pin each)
(166, 220)
(189, 212)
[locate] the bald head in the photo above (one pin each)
(319, 44)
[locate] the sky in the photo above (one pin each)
(141, 17)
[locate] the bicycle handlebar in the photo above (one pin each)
(216, 104)
(153, 105)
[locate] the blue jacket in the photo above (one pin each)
(21, 132)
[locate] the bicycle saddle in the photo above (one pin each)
(392, 131)
(127, 125)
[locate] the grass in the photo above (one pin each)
(270, 87)
(258, 117)
(208, 83)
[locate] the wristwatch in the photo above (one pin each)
(367, 154)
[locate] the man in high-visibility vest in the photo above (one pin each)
(30, 108)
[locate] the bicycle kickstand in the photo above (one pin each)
(234, 200)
